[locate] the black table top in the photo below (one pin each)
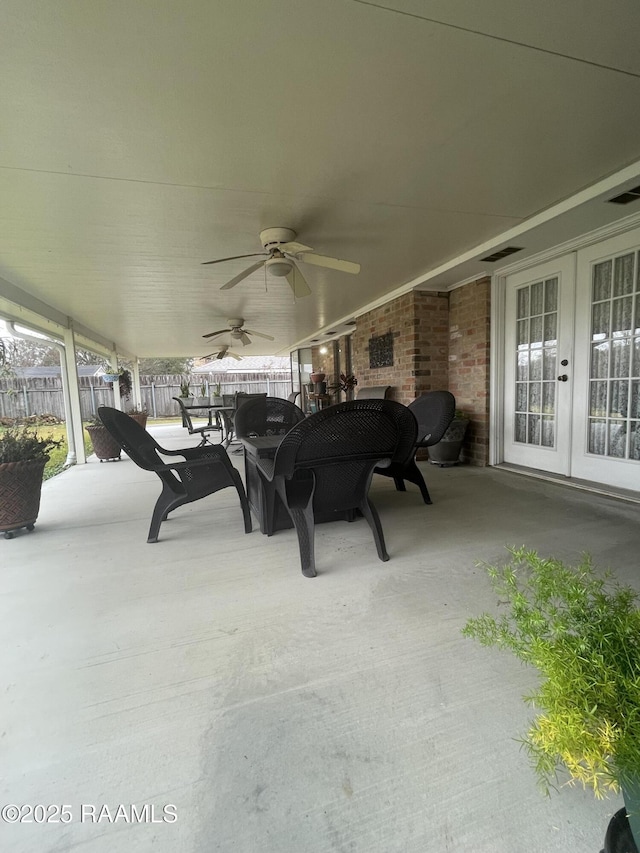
(262, 446)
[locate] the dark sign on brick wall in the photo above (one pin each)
(381, 351)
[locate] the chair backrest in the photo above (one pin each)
(374, 392)
(241, 398)
(266, 416)
(136, 442)
(228, 399)
(186, 415)
(358, 430)
(292, 398)
(339, 448)
(433, 411)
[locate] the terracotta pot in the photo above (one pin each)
(139, 418)
(20, 488)
(317, 377)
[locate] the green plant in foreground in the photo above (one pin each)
(23, 444)
(582, 633)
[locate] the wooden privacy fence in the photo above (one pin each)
(20, 398)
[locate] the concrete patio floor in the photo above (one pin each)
(275, 713)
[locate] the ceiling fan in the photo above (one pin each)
(238, 333)
(223, 353)
(280, 257)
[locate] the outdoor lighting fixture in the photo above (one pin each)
(323, 350)
(279, 266)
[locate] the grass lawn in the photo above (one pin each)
(58, 456)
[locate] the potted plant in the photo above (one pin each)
(105, 447)
(23, 455)
(185, 393)
(203, 399)
(446, 452)
(139, 415)
(582, 633)
(217, 394)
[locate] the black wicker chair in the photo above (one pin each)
(205, 469)
(266, 416)
(325, 465)
(433, 412)
(198, 430)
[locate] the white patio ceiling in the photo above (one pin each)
(140, 139)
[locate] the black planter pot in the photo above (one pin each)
(20, 487)
(447, 450)
(619, 838)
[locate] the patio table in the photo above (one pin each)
(260, 491)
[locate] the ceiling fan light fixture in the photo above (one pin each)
(279, 267)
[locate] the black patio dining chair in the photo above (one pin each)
(192, 429)
(433, 412)
(266, 416)
(324, 465)
(202, 470)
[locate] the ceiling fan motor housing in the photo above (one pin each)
(272, 237)
(279, 266)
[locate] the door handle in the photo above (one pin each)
(563, 378)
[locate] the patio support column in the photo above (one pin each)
(117, 400)
(71, 391)
(135, 384)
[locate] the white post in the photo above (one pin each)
(71, 392)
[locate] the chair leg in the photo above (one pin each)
(244, 503)
(297, 496)
(400, 486)
(371, 514)
(413, 474)
(167, 502)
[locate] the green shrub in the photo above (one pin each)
(582, 633)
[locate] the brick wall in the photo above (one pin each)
(469, 336)
(440, 341)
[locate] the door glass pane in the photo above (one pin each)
(597, 437)
(602, 281)
(523, 302)
(634, 440)
(617, 440)
(536, 336)
(551, 295)
(598, 405)
(620, 359)
(536, 298)
(621, 316)
(600, 321)
(623, 275)
(634, 403)
(551, 329)
(600, 360)
(549, 363)
(548, 432)
(614, 398)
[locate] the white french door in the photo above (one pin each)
(606, 428)
(572, 364)
(538, 366)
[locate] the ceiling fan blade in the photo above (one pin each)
(219, 332)
(298, 283)
(233, 355)
(238, 278)
(259, 335)
(221, 354)
(294, 248)
(233, 258)
(210, 355)
(245, 339)
(331, 263)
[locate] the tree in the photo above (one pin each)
(165, 366)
